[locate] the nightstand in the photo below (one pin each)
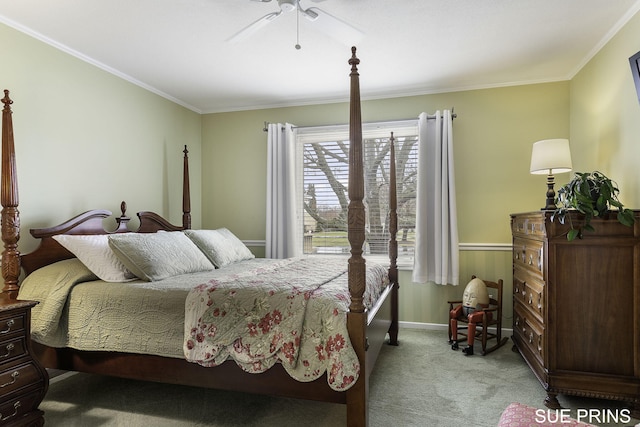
(23, 381)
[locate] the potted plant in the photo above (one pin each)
(593, 195)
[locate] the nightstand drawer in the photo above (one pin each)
(11, 323)
(18, 377)
(15, 409)
(12, 349)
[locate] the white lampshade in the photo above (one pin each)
(550, 156)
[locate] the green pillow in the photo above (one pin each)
(156, 256)
(221, 246)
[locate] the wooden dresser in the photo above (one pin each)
(576, 305)
(23, 381)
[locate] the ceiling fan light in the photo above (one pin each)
(287, 5)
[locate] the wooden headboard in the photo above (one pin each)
(90, 222)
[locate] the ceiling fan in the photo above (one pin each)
(322, 20)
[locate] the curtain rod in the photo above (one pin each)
(429, 117)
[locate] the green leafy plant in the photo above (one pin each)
(593, 195)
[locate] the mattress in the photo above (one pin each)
(75, 310)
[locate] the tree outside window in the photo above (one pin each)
(325, 196)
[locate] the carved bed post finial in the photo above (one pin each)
(10, 216)
(356, 216)
(123, 219)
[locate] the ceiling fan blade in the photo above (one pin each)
(332, 26)
(254, 27)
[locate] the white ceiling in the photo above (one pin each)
(178, 48)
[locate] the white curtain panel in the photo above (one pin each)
(436, 253)
(281, 240)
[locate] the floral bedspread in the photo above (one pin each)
(292, 312)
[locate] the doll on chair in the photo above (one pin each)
(474, 300)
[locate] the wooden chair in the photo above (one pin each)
(491, 326)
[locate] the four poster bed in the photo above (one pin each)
(367, 316)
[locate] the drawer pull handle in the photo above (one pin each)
(530, 259)
(540, 302)
(540, 345)
(14, 378)
(531, 337)
(540, 259)
(15, 412)
(9, 324)
(530, 299)
(9, 349)
(518, 321)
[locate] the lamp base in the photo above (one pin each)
(551, 194)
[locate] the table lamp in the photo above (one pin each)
(550, 156)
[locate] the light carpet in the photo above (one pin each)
(422, 382)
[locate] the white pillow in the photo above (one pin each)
(94, 252)
(157, 256)
(221, 246)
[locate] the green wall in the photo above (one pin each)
(605, 115)
(86, 139)
(493, 135)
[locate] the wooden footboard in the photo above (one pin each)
(227, 376)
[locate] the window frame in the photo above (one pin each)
(330, 133)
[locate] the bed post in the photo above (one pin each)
(358, 394)
(186, 192)
(9, 199)
(393, 243)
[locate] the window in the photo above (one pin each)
(323, 154)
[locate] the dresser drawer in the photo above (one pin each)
(529, 226)
(12, 323)
(11, 349)
(529, 254)
(18, 377)
(529, 291)
(529, 332)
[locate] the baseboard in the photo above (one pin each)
(419, 325)
(438, 327)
